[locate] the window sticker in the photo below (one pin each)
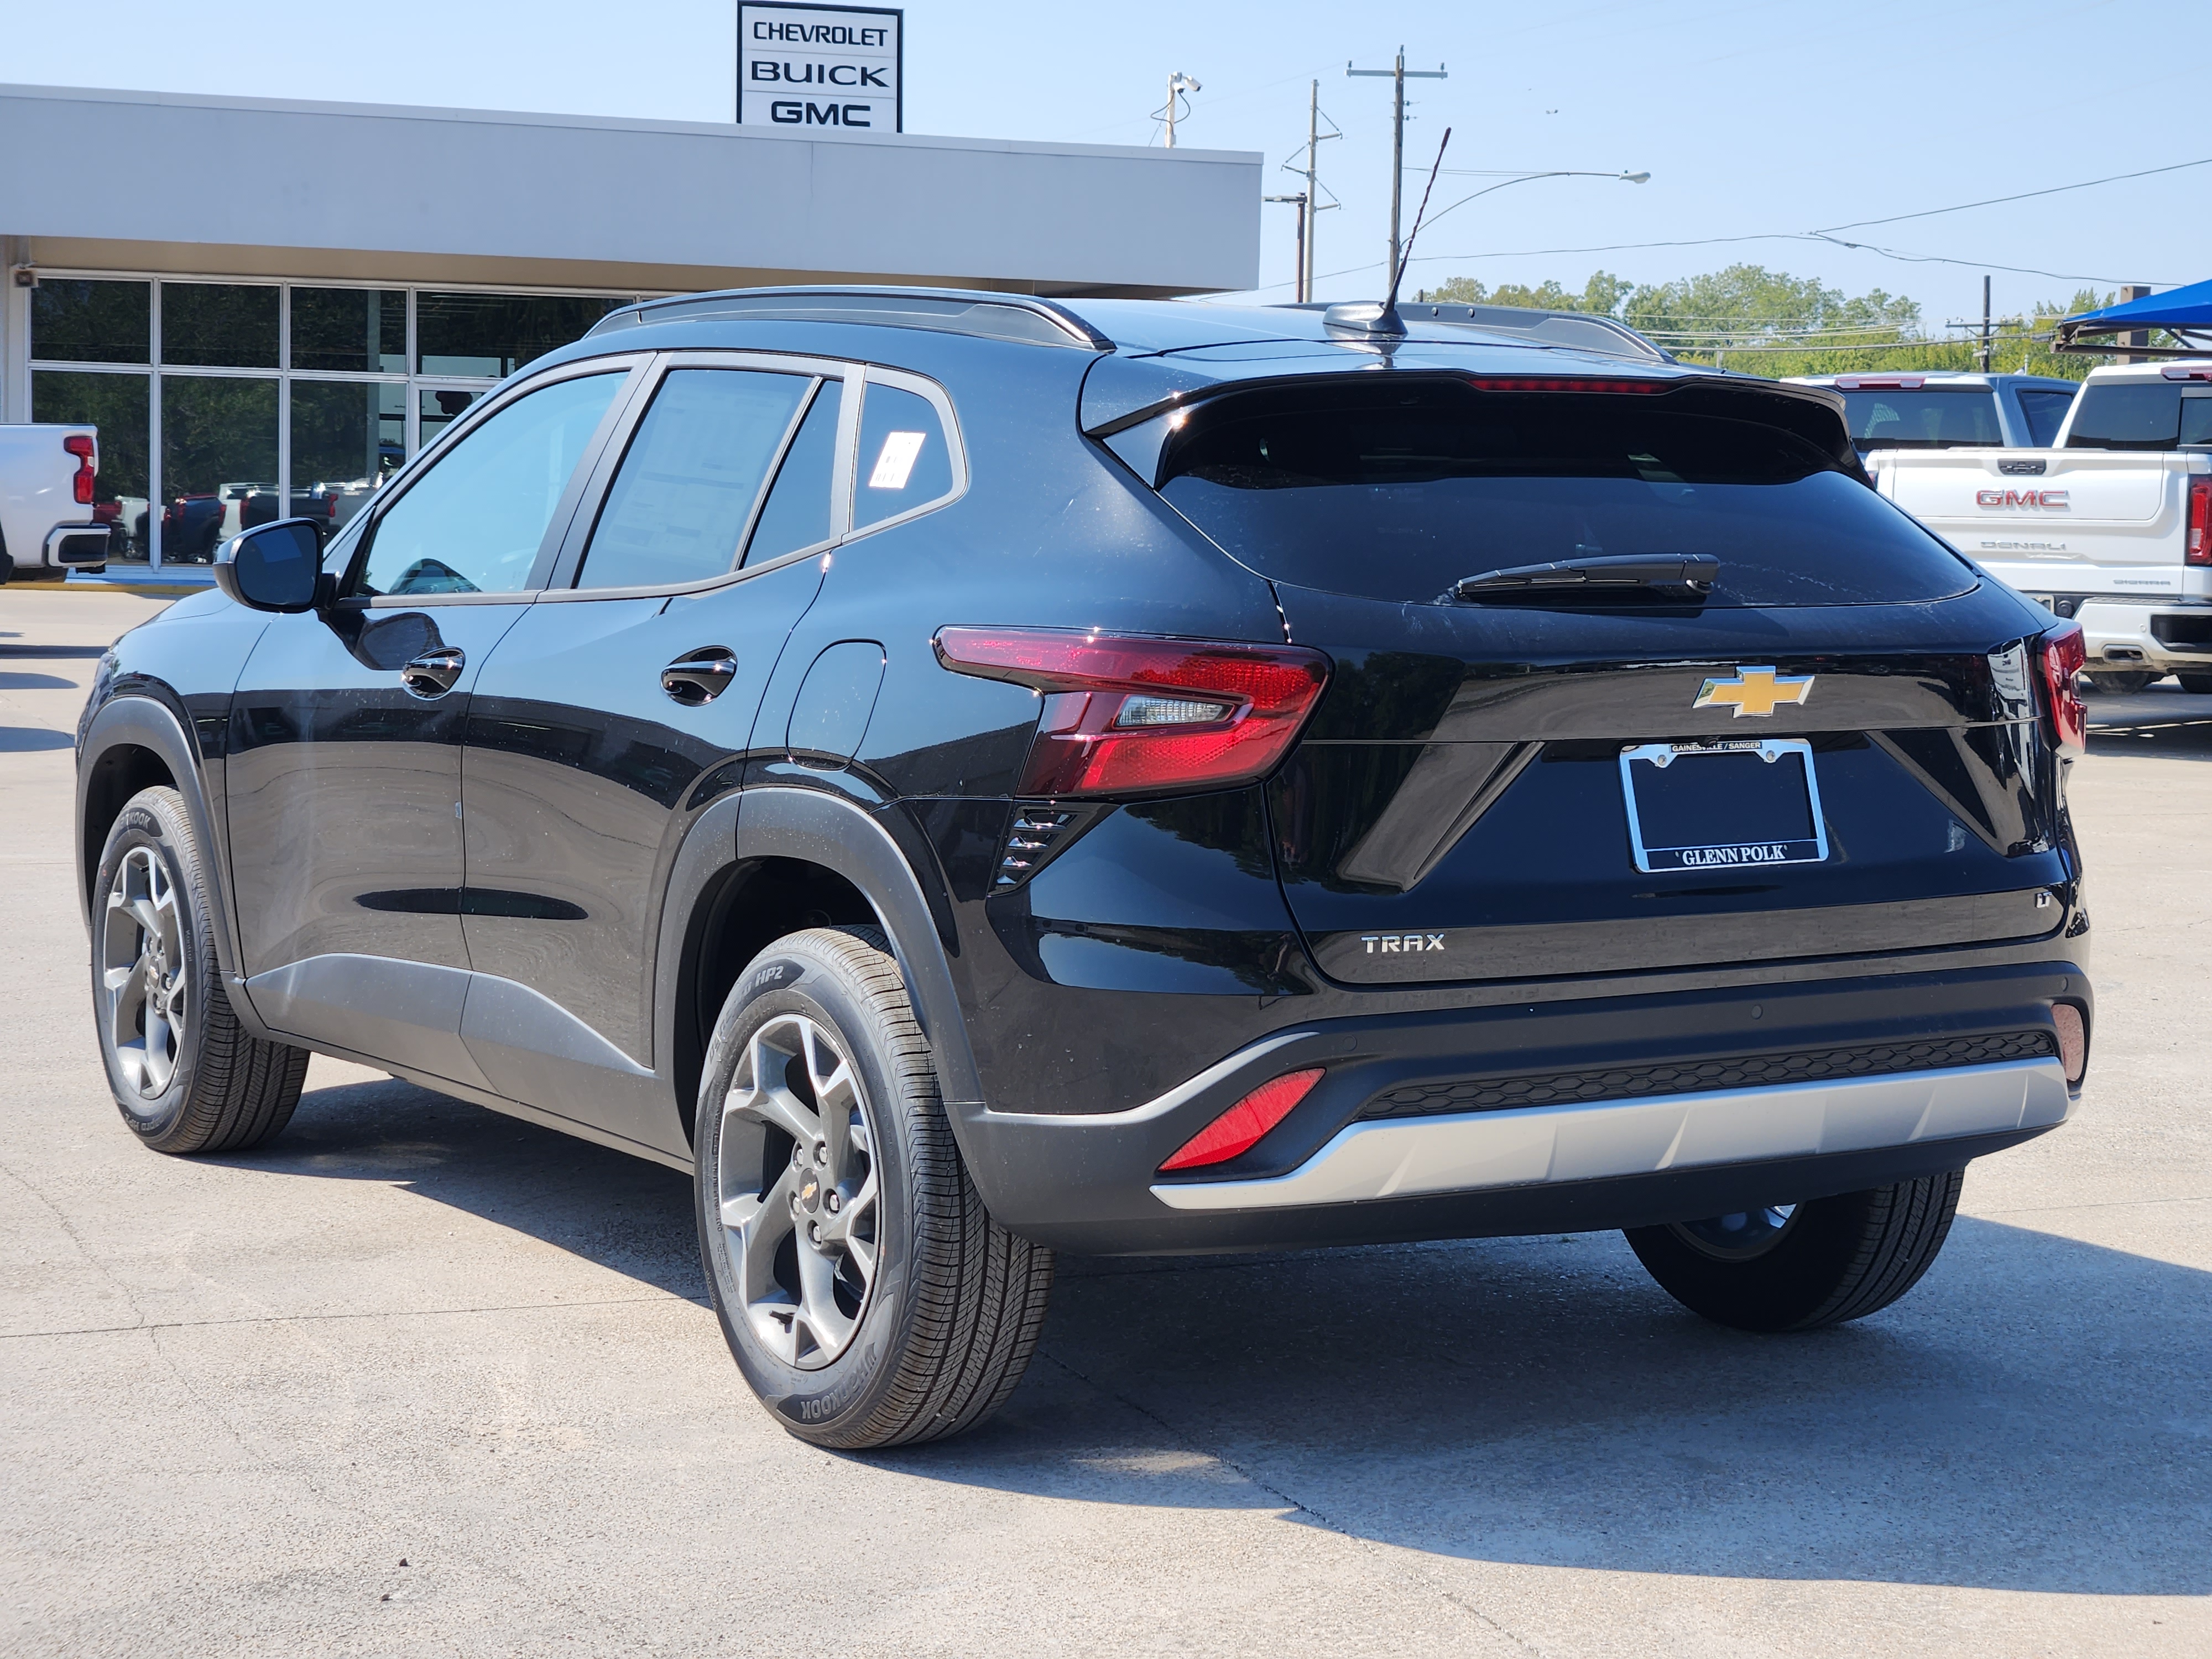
(895, 465)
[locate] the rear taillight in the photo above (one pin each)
(2197, 550)
(81, 446)
(2063, 655)
(1240, 1128)
(1131, 716)
(1559, 383)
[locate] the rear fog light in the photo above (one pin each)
(1240, 1128)
(2073, 1040)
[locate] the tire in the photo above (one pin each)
(2197, 686)
(915, 1333)
(194, 1084)
(2118, 685)
(1797, 1269)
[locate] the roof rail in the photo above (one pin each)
(1578, 330)
(951, 311)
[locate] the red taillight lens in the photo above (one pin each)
(2199, 548)
(1562, 383)
(2063, 657)
(80, 446)
(1129, 716)
(1239, 1129)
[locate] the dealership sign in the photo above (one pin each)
(819, 66)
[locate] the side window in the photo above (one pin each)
(796, 513)
(678, 506)
(473, 523)
(2196, 420)
(2045, 412)
(904, 461)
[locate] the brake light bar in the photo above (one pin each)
(2063, 654)
(81, 446)
(1563, 383)
(1880, 382)
(1244, 1125)
(1131, 715)
(2186, 372)
(2198, 549)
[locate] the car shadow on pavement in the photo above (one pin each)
(2176, 724)
(2035, 1416)
(29, 739)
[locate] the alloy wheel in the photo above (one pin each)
(796, 1184)
(143, 972)
(1739, 1237)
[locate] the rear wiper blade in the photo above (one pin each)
(1691, 572)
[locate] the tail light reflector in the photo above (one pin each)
(2073, 1040)
(1240, 1128)
(2063, 654)
(2199, 548)
(1134, 716)
(81, 446)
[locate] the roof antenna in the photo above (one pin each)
(1384, 319)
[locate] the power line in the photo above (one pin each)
(2026, 195)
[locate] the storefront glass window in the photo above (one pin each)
(218, 325)
(349, 329)
(218, 450)
(116, 403)
(489, 335)
(440, 407)
(77, 320)
(346, 441)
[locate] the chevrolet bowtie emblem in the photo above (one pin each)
(1753, 691)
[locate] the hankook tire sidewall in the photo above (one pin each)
(849, 1387)
(142, 825)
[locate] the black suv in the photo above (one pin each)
(972, 776)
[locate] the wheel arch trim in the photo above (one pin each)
(816, 827)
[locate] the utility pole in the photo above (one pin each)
(1310, 215)
(1178, 84)
(1399, 74)
(1985, 353)
(1300, 201)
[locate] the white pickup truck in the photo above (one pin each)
(47, 524)
(2112, 526)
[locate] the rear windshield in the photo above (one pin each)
(2139, 415)
(1400, 493)
(1963, 419)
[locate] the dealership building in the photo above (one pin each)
(291, 294)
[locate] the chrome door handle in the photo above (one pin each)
(435, 673)
(700, 676)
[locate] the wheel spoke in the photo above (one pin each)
(826, 1323)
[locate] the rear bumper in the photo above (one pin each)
(1630, 1129)
(75, 545)
(2126, 635)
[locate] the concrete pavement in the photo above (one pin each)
(421, 1379)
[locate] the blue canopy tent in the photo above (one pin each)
(2185, 313)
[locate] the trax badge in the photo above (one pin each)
(1754, 691)
(1393, 942)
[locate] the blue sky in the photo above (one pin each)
(1755, 120)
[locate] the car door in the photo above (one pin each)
(343, 781)
(596, 721)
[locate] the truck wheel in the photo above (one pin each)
(1796, 1268)
(2118, 685)
(2197, 686)
(869, 1298)
(186, 1075)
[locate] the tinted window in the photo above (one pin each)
(349, 328)
(1400, 499)
(2196, 420)
(492, 335)
(2045, 412)
(678, 507)
(219, 324)
(78, 321)
(1922, 420)
(796, 513)
(474, 522)
(2128, 414)
(904, 459)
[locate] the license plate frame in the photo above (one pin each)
(1741, 855)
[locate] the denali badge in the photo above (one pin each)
(1389, 942)
(1753, 691)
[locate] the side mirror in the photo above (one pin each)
(273, 566)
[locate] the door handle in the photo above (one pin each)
(700, 676)
(435, 673)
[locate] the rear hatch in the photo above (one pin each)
(1833, 750)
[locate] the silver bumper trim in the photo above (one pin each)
(1534, 1147)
